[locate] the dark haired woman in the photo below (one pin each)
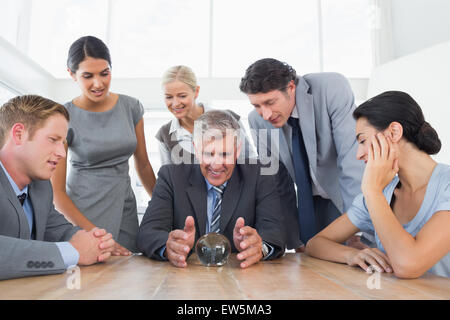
(405, 194)
(105, 130)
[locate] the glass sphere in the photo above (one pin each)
(213, 249)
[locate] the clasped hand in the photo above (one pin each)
(93, 246)
(246, 239)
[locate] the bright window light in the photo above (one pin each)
(55, 25)
(245, 31)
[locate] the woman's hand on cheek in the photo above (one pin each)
(382, 164)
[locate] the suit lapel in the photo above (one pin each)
(305, 108)
(24, 229)
(197, 196)
(231, 197)
(285, 152)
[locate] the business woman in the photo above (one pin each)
(175, 137)
(405, 194)
(105, 130)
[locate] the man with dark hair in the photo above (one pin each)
(312, 116)
(35, 239)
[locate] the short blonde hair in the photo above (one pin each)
(180, 73)
(31, 110)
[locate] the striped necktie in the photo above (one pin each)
(215, 219)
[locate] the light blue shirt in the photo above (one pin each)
(211, 200)
(437, 198)
(69, 254)
(211, 197)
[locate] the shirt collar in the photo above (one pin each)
(175, 123)
(294, 113)
(16, 189)
(209, 185)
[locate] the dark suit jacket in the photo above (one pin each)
(20, 256)
(180, 192)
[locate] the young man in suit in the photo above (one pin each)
(216, 195)
(311, 116)
(35, 239)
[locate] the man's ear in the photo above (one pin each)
(395, 131)
(18, 133)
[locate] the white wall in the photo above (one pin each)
(424, 75)
(19, 72)
(418, 24)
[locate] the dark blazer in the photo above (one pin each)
(180, 192)
(20, 256)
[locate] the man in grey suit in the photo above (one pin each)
(35, 239)
(310, 120)
(216, 195)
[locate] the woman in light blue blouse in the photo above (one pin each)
(405, 196)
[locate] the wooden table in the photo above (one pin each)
(295, 276)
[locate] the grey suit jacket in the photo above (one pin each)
(20, 256)
(325, 104)
(180, 192)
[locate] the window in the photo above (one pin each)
(148, 37)
(346, 37)
(55, 25)
(216, 38)
(9, 20)
(245, 31)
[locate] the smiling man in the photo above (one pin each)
(312, 116)
(35, 239)
(216, 195)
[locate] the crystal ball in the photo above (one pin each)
(213, 249)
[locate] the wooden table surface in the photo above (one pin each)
(295, 276)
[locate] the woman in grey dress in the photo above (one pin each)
(105, 130)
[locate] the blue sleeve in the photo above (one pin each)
(69, 254)
(444, 201)
(359, 215)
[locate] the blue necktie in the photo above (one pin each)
(215, 220)
(306, 217)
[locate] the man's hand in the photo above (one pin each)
(120, 251)
(180, 242)
(93, 246)
(248, 242)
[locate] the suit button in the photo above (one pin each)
(30, 264)
(43, 264)
(50, 264)
(37, 264)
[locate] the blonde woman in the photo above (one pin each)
(175, 137)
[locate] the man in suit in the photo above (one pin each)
(35, 239)
(311, 118)
(216, 195)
